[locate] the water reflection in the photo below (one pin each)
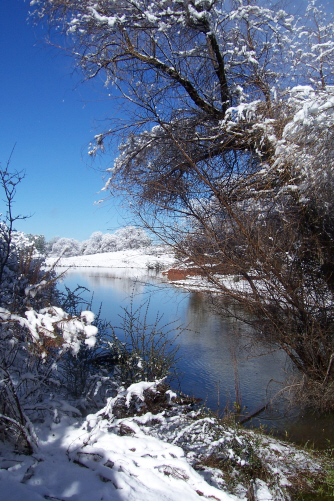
(217, 357)
(212, 349)
(123, 280)
(217, 353)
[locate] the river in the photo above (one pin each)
(216, 355)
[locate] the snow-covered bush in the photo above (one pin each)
(30, 349)
(35, 331)
(35, 334)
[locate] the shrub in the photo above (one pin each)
(148, 352)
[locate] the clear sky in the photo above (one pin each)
(51, 118)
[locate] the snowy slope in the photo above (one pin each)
(118, 454)
(137, 258)
(91, 460)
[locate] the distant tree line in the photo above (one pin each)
(128, 237)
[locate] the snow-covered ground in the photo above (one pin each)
(119, 454)
(144, 258)
(202, 284)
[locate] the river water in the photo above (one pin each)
(217, 357)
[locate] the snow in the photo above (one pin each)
(200, 283)
(111, 21)
(262, 491)
(48, 322)
(132, 258)
(138, 389)
(134, 467)
(141, 457)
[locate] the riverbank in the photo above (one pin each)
(148, 444)
(148, 258)
(157, 258)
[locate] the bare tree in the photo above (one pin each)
(227, 148)
(8, 181)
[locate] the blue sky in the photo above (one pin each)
(50, 116)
